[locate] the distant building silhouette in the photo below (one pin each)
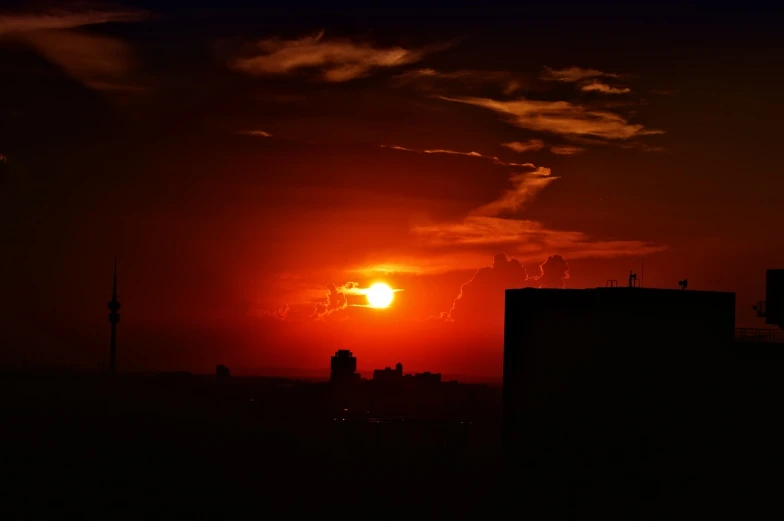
(396, 376)
(222, 372)
(114, 318)
(344, 367)
(426, 378)
(388, 375)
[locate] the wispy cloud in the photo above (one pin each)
(566, 150)
(493, 159)
(99, 62)
(527, 238)
(525, 187)
(508, 82)
(532, 145)
(335, 300)
(255, 133)
(643, 146)
(574, 74)
(336, 60)
(11, 22)
(603, 88)
(560, 117)
(417, 74)
(280, 313)
(626, 145)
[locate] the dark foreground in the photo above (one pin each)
(182, 447)
(187, 447)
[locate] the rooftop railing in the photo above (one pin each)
(748, 334)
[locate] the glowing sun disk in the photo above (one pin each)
(379, 295)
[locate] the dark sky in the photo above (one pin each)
(237, 160)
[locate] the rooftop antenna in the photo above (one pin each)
(114, 317)
(683, 283)
(633, 283)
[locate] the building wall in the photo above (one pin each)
(591, 368)
(774, 297)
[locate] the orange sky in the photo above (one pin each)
(238, 162)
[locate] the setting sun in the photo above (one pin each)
(380, 295)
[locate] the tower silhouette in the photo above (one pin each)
(114, 317)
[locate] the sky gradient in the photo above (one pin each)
(254, 168)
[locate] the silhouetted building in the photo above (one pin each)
(774, 298)
(222, 372)
(388, 375)
(427, 378)
(765, 344)
(583, 368)
(114, 318)
(602, 384)
(344, 367)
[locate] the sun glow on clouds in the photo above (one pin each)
(378, 294)
(525, 187)
(566, 150)
(574, 74)
(493, 159)
(560, 117)
(338, 60)
(350, 295)
(453, 245)
(532, 145)
(604, 88)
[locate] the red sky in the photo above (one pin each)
(240, 161)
